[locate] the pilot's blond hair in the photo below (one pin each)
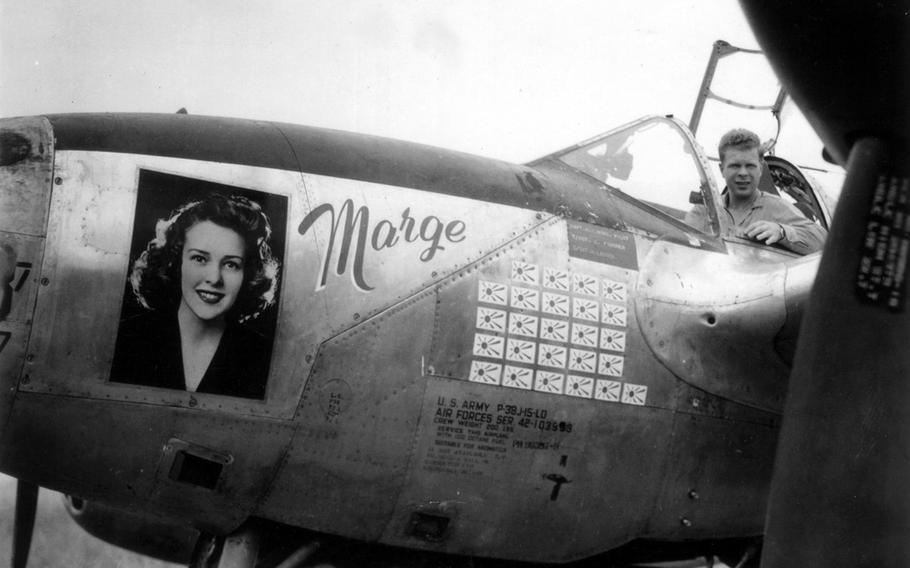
(739, 138)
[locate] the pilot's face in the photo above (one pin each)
(211, 271)
(741, 169)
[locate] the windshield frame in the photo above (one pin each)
(707, 185)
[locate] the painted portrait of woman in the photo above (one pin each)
(207, 272)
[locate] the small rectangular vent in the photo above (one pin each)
(428, 526)
(195, 470)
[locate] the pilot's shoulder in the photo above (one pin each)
(767, 198)
(778, 203)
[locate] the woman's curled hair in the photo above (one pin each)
(155, 277)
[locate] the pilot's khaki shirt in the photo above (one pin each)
(801, 235)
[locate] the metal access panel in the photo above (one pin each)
(541, 398)
(26, 175)
(362, 401)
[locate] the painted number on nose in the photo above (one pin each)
(21, 282)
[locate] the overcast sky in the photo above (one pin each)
(507, 79)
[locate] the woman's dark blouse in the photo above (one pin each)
(148, 352)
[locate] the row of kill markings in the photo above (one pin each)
(563, 325)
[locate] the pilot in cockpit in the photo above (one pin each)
(755, 214)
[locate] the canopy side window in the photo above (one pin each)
(785, 180)
(655, 163)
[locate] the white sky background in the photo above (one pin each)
(506, 79)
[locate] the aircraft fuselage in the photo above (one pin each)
(467, 356)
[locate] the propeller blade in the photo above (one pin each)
(26, 507)
(838, 494)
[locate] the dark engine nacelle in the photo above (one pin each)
(143, 534)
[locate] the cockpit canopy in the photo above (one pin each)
(656, 164)
(653, 162)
